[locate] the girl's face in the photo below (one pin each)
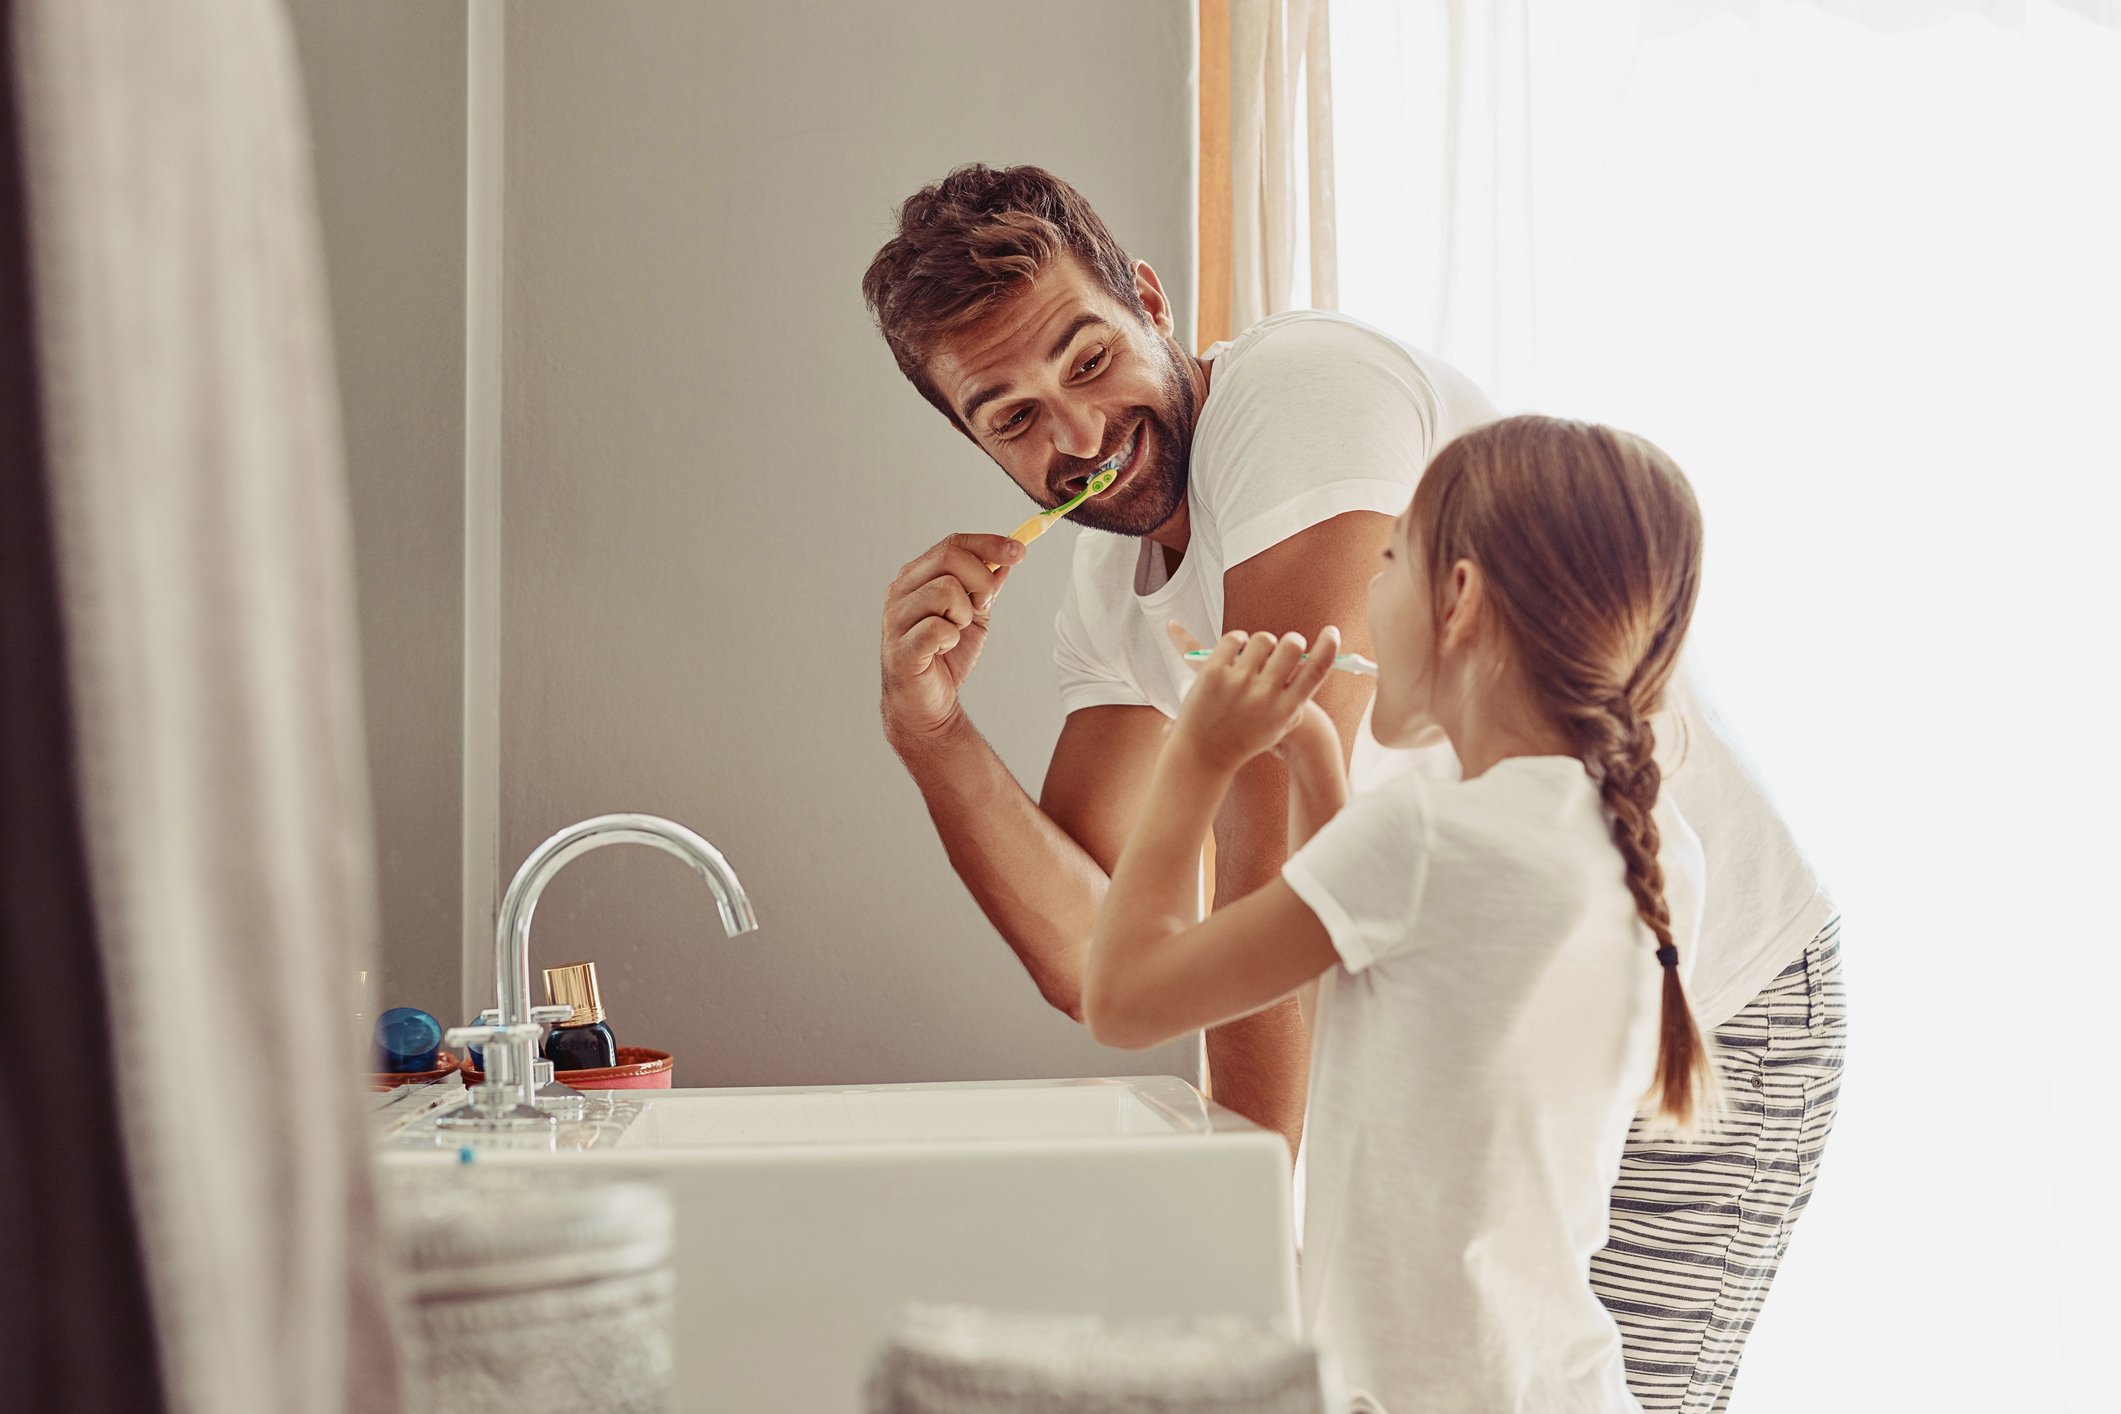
(1403, 632)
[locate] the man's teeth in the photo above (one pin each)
(1124, 457)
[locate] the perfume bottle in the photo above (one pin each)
(583, 1041)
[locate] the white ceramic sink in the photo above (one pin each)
(805, 1217)
(921, 1114)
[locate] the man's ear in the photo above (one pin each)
(1150, 291)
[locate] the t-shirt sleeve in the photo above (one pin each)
(1365, 873)
(1086, 679)
(1317, 418)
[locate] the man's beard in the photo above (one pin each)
(1155, 488)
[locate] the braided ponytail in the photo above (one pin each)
(1620, 747)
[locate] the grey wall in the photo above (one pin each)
(713, 469)
(385, 82)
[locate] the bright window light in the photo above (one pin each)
(1863, 281)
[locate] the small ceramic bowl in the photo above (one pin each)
(638, 1069)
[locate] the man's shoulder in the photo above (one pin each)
(1312, 364)
(1312, 414)
(1303, 336)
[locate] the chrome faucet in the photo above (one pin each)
(508, 1099)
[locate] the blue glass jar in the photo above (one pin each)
(477, 1053)
(407, 1040)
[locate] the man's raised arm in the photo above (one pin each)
(1038, 870)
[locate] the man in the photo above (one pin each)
(1257, 484)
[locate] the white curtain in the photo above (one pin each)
(199, 514)
(1858, 267)
(1282, 247)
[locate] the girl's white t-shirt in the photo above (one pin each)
(1478, 1055)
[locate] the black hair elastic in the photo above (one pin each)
(1668, 955)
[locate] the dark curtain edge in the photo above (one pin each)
(76, 1324)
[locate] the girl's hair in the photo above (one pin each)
(1590, 543)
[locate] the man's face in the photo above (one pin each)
(1063, 377)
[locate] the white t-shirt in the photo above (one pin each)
(1310, 415)
(1479, 1054)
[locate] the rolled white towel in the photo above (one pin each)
(954, 1360)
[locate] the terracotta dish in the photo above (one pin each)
(638, 1069)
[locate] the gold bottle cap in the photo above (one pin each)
(575, 985)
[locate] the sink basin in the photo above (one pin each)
(921, 1114)
(806, 1217)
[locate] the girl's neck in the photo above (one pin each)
(1478, 749)
(1499, 722)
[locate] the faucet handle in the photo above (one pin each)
(459, 1038)
(463, 1038)
(496, 1104)
(543, 1014)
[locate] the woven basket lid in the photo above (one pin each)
(464, 1231)
(951, 1360)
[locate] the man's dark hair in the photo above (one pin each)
(968, 244)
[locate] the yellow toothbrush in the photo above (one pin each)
(1039, 524)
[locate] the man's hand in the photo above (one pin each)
(935, 622)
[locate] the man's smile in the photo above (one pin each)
(1132, 450)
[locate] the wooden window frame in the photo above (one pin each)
(1213, 291)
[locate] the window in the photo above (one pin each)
(1858, 268)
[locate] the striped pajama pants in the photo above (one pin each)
(1699, 1224)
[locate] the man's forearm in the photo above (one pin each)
(1038, 887)
(1259, 1066)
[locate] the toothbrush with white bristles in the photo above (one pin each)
(1346, 662)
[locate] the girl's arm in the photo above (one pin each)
(1154, 972)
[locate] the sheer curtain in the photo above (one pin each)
(1276, 238)
(1858, 268)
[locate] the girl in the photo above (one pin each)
(1501, 954)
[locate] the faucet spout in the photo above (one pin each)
(512, 937)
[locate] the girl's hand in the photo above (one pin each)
(1250, 693)
(1312, 741)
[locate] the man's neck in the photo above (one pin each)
(1176, 534)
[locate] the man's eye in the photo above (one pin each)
(1021, 414)
(1093, 363)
